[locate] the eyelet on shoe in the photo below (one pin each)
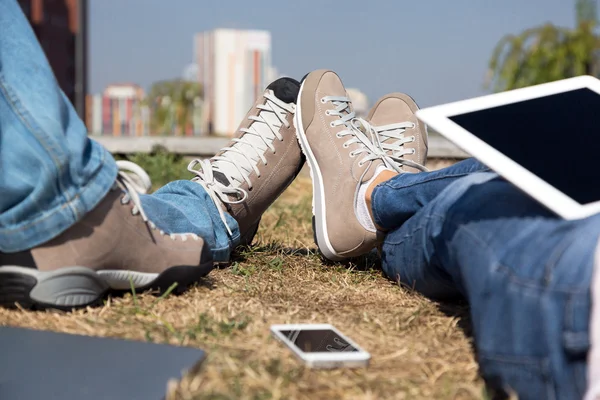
(345, 146)
(413, 151)
(413, 139)
(323, 100)
(337, 135)
(352, 155)
(360, 163)
(414, 126)
(331, 124)
(327, 113)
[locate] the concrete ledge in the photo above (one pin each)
(188, 146)
(439, 147)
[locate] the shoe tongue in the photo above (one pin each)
(285, 89)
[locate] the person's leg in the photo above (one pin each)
(185, 206)
(236, 186)
(51, 174)
(71, 229)
(525, 272)
(401, 197)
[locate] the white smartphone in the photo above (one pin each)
(321, 346)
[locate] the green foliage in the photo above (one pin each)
(240, 270)
(162, 167)
(172, 104)
(547, 53)
(587, 11)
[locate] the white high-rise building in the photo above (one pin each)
(234, 67)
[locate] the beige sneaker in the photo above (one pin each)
(112, 248)
(342, 161)
(401, 135)
(250, 173)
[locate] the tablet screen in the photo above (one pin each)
(555, 137)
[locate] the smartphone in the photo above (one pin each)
(321, 346)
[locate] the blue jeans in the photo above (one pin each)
(526, 273)
(51, 173)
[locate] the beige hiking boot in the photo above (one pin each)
(401, 135)
(112, 248)
(342, 161)
(250, 173)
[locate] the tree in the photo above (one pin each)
(547, 53)
(172, 105)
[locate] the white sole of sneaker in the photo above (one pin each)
(77, 287)
(318, 202)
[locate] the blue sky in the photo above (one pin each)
(435, 50)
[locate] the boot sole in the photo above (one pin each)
(318, 202)
(78, 287)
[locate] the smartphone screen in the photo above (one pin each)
(318, 341)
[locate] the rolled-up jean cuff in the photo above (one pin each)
(55, 221)
(376, 217)
(223, 254)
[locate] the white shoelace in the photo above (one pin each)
(391, 139)
(139, 177)
(237, 161)
(369, 147)
(135, 181)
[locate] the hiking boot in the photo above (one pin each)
(250, 173)
(342, 161)
(112, 248)
(401, 135)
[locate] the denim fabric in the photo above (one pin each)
(184, 206)
(415, 190)
(51, 173)
(525, 272)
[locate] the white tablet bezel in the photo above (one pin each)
(438, 118)
(322, 359)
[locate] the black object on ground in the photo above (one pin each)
(49, 365)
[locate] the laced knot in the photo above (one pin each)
(133, 180)
(391, 140)
(368, 147)
(222, 176)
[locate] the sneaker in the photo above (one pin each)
(112, 248)
(250, 173)
(401, 135)
(342, 161)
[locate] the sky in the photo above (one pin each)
(435, 50)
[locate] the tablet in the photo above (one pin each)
(545, 139)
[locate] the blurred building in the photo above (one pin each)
(359, 101)
(119, 111)
(61, 29)
(234, 67)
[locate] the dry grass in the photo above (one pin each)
(419, 352)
